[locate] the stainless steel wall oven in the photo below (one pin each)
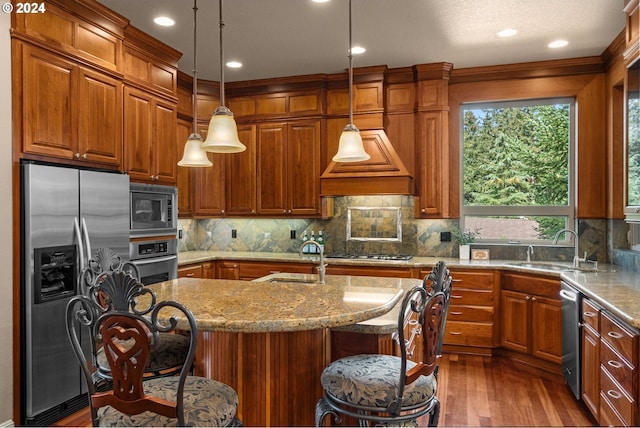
(157, 259)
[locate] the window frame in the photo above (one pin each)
(567, 211)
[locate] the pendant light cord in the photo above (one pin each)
(195, 68)
(221, 26)
(350, 70)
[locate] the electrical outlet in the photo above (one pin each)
(234, 233)
(445, 236)
(292, 234)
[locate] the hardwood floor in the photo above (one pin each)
(485, 391)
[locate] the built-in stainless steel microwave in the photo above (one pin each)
(153, 210)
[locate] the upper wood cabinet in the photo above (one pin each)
(76, 29)
(632, 34)
(69, 112)
(241, 175)
(210, 182)
(150, 137)
(288, 168)
(185, 175)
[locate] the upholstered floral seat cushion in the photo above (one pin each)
(206, 403)
(170, 351)
(371, 380)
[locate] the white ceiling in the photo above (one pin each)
(277, 38)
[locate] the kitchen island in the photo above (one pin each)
(270, 340)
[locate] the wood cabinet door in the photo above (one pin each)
(185, 174)
(546, 325)
(138, 134)
(515, 321)
(240, 175)
(303, 168)
(49, 92)
(590, 368)
(433, 166)
(209, 198)
(271, 169)
(163, 153)
(99, 118)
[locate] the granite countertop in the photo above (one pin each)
(614, 288)
(246, 306)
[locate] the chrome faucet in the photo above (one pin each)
(576, 258)
(529, 253)
(321, 265)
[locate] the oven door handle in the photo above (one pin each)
(154, 260)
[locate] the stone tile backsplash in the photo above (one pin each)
(600, 238)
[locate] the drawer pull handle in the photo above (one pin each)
(614, 394)
(456, 280)
(615, 335)
(456, 333)
(588, 314)
(455, 313)
(615, 364)
(456, 296)
(191, 274)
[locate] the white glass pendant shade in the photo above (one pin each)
(222, 136)
(194, 155)
(350, 147)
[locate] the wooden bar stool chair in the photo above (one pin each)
(128, 339)
(393, 390)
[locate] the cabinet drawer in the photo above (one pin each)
(470, 313)
(591, 314)
(618, 367)
(622, 338)
(475, 280)
(471, 297)
(612, 394)
(192, 271)
(468, 333)
(609, 417)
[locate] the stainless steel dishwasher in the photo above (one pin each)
(571, 338)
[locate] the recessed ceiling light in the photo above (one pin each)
(357, 50)
(234, 64)
(164, 21)
(321, 1)
(507, 32)
(558, 44)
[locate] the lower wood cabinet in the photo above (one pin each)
(531, 321)
(248, 271)
(196, 270)
(590, 361)
(618, 372)
(470, 321)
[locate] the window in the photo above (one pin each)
(517, 169)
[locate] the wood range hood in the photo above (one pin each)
(383, 174)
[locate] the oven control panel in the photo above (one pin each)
(156, 248)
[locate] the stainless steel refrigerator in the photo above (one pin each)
(67, 214)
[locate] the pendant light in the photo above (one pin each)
(350, 147)
(194, 155)
(222, 136)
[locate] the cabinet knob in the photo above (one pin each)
(423, 211)
(527, 298)
(84, 156)
(222, 211)
(76, 155)
(533, 299)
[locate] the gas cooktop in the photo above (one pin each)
(401, 257)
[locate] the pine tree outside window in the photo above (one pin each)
(517, 169)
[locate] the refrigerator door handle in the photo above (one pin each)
(76, 228)
(85, 233)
